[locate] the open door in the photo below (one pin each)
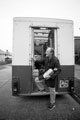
(43, 37)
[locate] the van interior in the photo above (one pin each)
(43, 37)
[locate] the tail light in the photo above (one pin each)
(15, 86)
(71, 85)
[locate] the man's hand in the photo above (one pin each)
(36, 57)
(47, 77)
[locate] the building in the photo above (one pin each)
(8, 54)
(8, 57)
(77, 49)
(77, 44)
(2, 56)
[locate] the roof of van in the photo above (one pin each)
(41, 19)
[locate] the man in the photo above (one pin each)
(50, 63)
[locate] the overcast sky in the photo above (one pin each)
(63, 9)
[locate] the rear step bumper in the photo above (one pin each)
(41, 93)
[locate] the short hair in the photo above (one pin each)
(51, 49)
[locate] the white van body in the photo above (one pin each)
(25, 30)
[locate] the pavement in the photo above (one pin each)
(33, 107)
(5, 74)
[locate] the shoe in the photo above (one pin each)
(51, 106)
(42, 91)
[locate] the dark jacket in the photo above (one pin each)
(52, 63)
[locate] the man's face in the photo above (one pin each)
(48, 53)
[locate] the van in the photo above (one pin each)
(30, 40)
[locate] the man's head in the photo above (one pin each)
(49, 52)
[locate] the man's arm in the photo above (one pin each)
(39, 63)
(56, 69)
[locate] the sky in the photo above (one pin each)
(62, 9)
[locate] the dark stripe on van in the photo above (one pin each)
(24, 73)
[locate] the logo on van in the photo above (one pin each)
(64, 83)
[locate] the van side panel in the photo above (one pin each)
(21, 43)
(65, 44)
(24, 74)
(66, 76)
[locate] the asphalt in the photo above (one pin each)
(33, 107)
